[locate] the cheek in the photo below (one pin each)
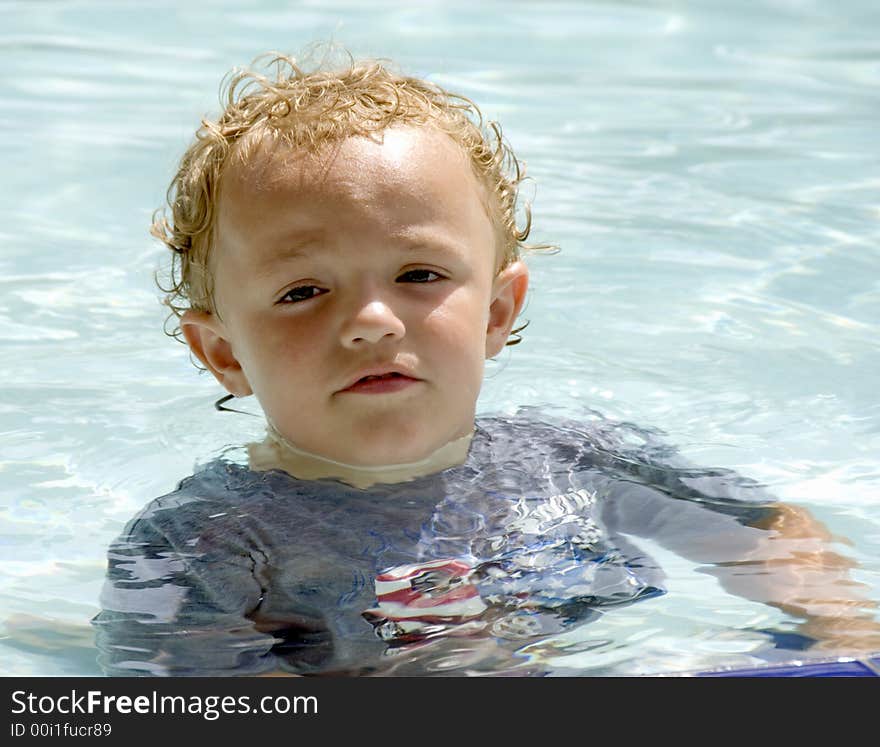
(275, 351)
(459, 327)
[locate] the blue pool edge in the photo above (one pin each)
(843, 666)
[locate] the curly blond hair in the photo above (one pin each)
(307, 110)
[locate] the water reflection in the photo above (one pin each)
(484, 568)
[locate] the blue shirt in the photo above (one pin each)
(242, 572)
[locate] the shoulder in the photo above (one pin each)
(590, 443)
(586, 437)
(208, 491)
(567, 427)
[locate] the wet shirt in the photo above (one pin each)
(244, 572)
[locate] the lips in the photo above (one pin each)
(380, 380)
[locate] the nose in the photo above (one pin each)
(371, 322)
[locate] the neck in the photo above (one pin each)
(276, 452)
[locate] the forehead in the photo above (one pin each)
(394, 146)
(403, 179)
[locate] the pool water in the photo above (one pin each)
(710, 174)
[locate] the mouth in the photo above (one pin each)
(381, 383)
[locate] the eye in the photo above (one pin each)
(301, 293)
(419, 276)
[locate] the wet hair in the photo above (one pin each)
(307, 110)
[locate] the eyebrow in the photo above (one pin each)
(293, 245)
(415, 240)
(298, 243)
(304, 243)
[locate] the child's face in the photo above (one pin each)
(370, 259)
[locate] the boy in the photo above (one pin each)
(346, 250)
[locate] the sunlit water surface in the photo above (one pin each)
(710, 174)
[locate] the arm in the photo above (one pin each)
(169, 610)
(794, 568)
(157, 618)
(192, 590)
(772, 553)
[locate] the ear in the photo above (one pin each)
(207, 338)
(508, 295)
